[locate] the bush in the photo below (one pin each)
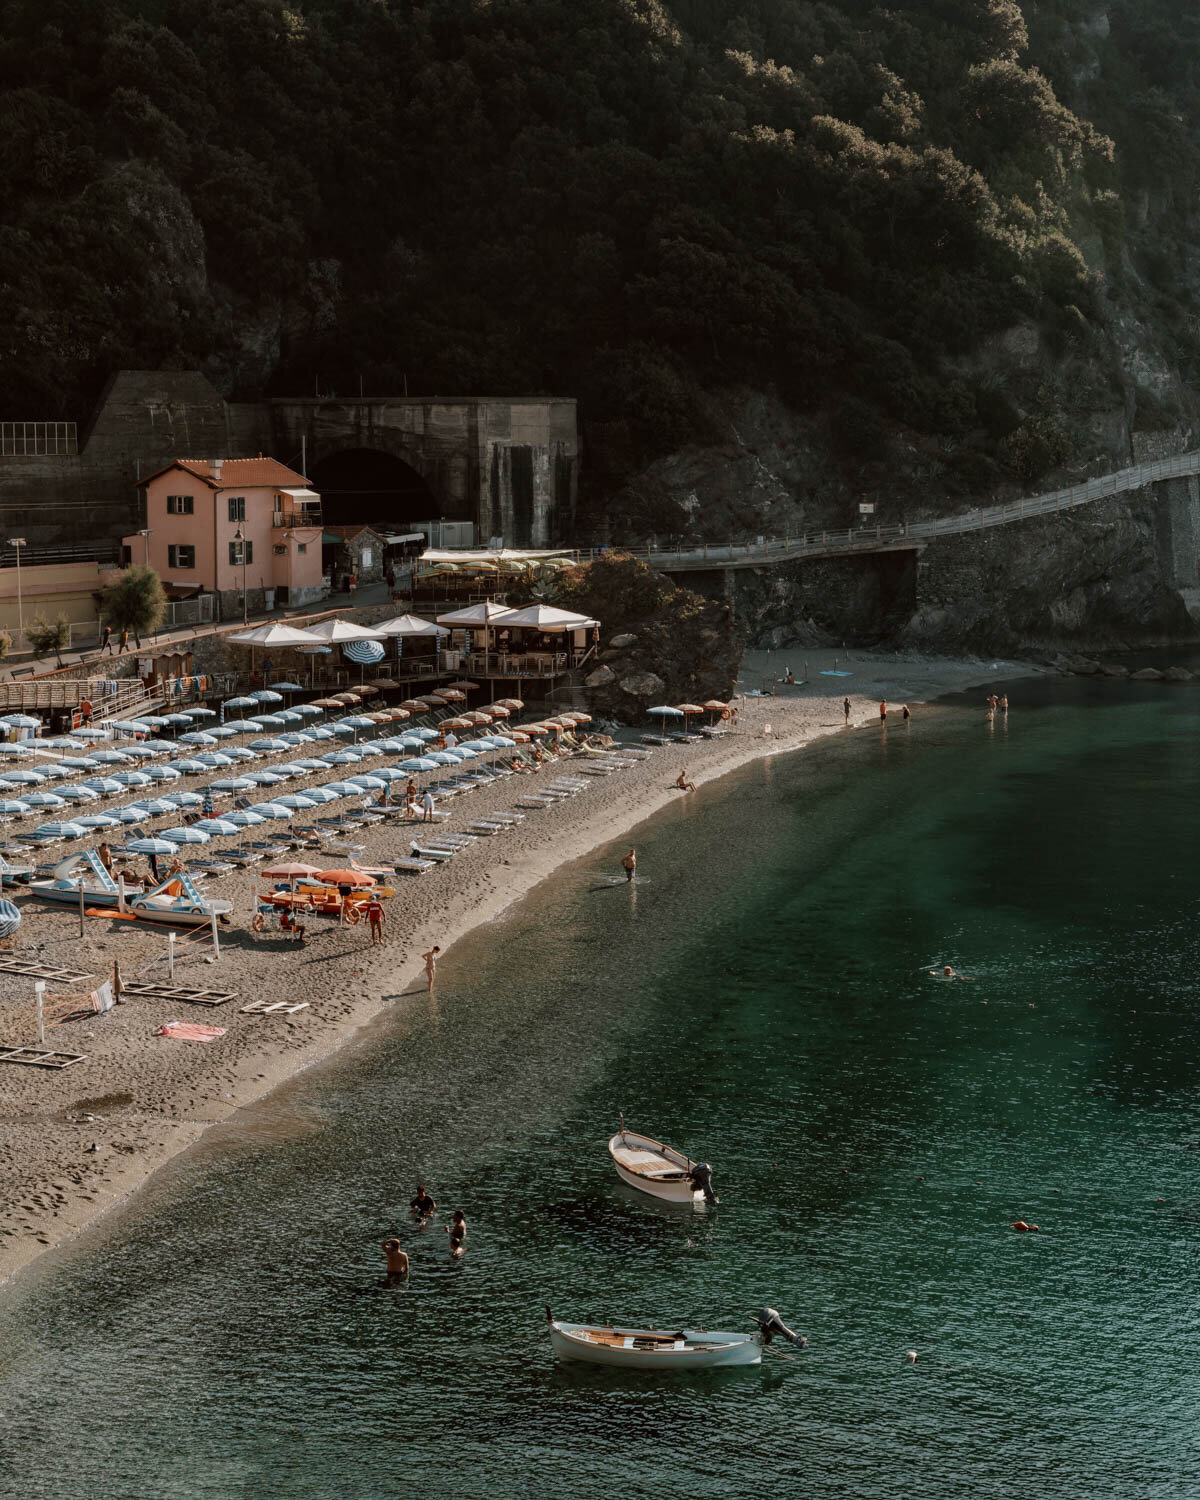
(49, 635)
(136, 601)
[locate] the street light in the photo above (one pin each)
(147, 535)
(18, 542)
(239, 536)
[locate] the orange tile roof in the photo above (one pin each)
(237, 473)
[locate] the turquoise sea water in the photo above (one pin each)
(760, 998)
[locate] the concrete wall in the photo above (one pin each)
(56, 588)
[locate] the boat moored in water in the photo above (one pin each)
(660, 1170)
(666, 1349)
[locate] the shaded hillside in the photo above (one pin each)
(637, 202)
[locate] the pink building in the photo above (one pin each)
(232, 526)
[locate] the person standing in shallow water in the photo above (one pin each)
(904, 713)
(883, 712)
(431, 959)
(846, 709)
(629, 864)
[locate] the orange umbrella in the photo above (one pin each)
(477, 716)
(459, 723)
(328, 703)
(512, 703)
(496, 710)
(367, 690)
(451, 695)
(346, 877)
(689, 708)
(385, 684)
(467, 687)
(346, 698)
(714, 705)
(582, 718)
(415, 705)
(518, 735)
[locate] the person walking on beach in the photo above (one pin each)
(106, 643)
(629, 864)
(457, 1230)
(427, 807)
(397, 1259)
(431, 959)
(883, 712)
(846, 710)
(375, 918)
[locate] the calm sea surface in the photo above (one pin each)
(760, 998)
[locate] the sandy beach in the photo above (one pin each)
(74, 1144)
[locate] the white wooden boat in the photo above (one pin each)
(666, 1349)
(648, 1165)
(654, 1349)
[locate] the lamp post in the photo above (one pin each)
(147, 534)
(239, 536)
(18, 542)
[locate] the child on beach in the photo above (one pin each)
(629, 864)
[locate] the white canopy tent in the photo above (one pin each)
(546, 617)
(336, 632)
(275, 634)
(410, 625)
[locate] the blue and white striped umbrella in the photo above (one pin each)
(322, 732)
(133, 778)
(311, 765)
(153, 846)
(368, 783)
(296, 801)
(243, 702)
(270, 721)
(243, 726)
(189, 766)
(141, 752)
(203, 713)
(105, 785)
(177, 718)
(155, 721)
(243, 817)
(269, 747)
(221, 732)
(342, 788)
(23, 721)
(158, 807)
(240, 752)
(286, 687)
(165, 745)
(44, 799)
(98, 820)
(197, 737)
(217, 828)
(265, 778)
(421, 763)
(10, 918)
(162, 773)
(131, 814)
(111, 757)
(309, 710)
(183, 799)
(56, 770)
(266, 695)
(11, 808)
(289, 716)
(78, 794)
(210, 758)
(340, 758)
(385, 773)
(271, 810)
(23, 778)
(365, 653)
(322, 794)
(208, 801)
(231, 784)
(192, 835)
(9, 747)
(421, 733)
(60, 831)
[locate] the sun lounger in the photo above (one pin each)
(656, 739)
(413, 866)
(422, 851)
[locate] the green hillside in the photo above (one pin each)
(635, 201)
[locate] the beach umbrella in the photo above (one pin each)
(275, 634)
(191, 835)
(156, 807)
(391, 747)
(23, 778)
(289, 872)
(308, 710)
(335, 632)
(385, 774)
(271, 721)
(266, 695)
(272, 810)
(44, 799)
(297, 801)
(311, 764)
(286, 687)
(265, 778)
(130, 814)
(78, 794)
(515, 704)
(244, 726)
(221, 732)
(322, 794)
(60, 831)
(217, 828)
(690, 708)
(11, 808)
(340, 788)
(197, 737)
(322, 732)
(56, 770)
(346, 877)
(10, 918)
(153, 846)
(234, 784)
(88, 732)
(668, 712)
(164, 745)
(22, 721)
(132, 778)
(339, 758)
(59, 742)
(179, 718)
(325, 703)
(268, 746)
(203, 713)
(142, 752)
(296, 737)
(243, 817)
(189, 767)
(10, 747)
(130, 726)
(365, 652)
(243, 702)
(184, 799)
(289, 716)
(421, 763)
(425, 734)
(211, 758)
(368, 783)
(451, 695)
(105, 785)
(405, 625)
(359, 721)
(238, 752)
(98, 820)
(110, 757)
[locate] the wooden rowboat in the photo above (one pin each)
(652, 1349)
(648, 1165)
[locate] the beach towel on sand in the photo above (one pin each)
(187, 1031)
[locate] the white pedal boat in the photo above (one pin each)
(648, 1165)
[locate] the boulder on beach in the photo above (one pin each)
(601, 677)
(642, 685)
(1147, 674)
(623, 642)
(1178, 674)
(1083, 666)
(1114, 669)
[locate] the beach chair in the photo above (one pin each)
(413, 866)
(424, 851)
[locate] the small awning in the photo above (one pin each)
(303, 497)
(331, 539)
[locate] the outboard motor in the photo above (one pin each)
(700, 1177)
(770, 1323)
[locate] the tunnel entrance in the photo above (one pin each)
(364, 487)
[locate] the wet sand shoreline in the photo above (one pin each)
(148, 1097)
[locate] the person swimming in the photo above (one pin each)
(948, 973)
(457, 1230)
(422, 1206)
(397, 1259)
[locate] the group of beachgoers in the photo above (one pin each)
(422, 1209)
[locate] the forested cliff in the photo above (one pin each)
(936, 248)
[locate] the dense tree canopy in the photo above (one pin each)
(634, 201)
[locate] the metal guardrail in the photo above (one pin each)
(884, 538)
(32, 557)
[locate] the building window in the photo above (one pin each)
(181, 557)
(180, 505)
(237, 507)
(301, 547)
(235, 553)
